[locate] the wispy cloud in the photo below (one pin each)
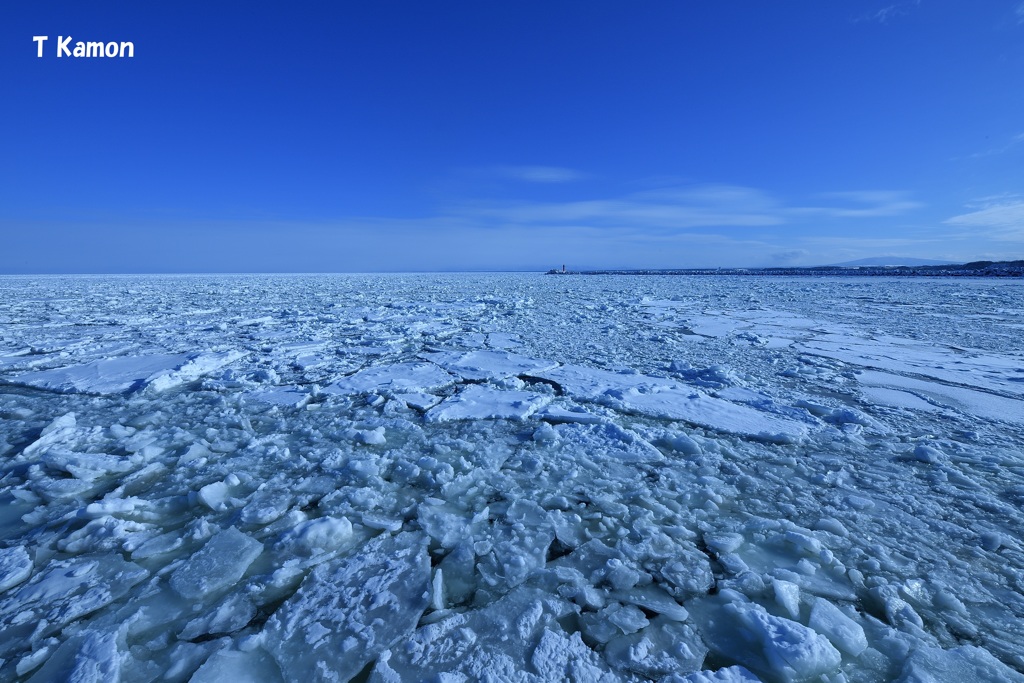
(889, 12)
(1019, 11)
(678, 225)
(1000, 218)
(868, 245)
(538, 174)
(686, 207)
(1001, 149)
(863, 204)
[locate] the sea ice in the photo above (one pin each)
(965, 663)
(350, 610)
(477, 402)
(128, 373)
(400, 378)
(971, 401)
(830, 621)
(450, 476)
(778, 648)
(667, 398)
(235, 666)
(518, 638)
(15, 566)
(488, 365)
(219, 564)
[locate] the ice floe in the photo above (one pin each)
(478, 365)
(477, 402)
(397, 378)
(128, 373)
(667, 398)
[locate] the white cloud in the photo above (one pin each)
(866, 204)
(1002, 149)
(1002, 219)
(539, 174)
(868, 245)
(686, 207)
(889, 12)
(681, 207)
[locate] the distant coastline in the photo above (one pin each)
(972, 269)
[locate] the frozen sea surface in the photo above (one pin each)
(511, 478)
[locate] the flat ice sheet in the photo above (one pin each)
(398, 378)
(669, 399)
(477, 402)
(479, 365)
(971, 401)
(127, 373)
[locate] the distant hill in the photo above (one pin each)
(882, 261)
(852, 269)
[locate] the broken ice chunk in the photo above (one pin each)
(157, 545)
(64, 592)
(611, 442)
(418, 400)
(86, 466)
(317, 536)
(670, 399)
(266, 506)
(805, 543)
(400, 378)
(569, 414)
(52, 490)
(478, 402)
(515, 553)
(444, 523)
(722, 543)
(655, 599)
(194, 367)
(370, 437)
(294, 397)
(231, 614)
(517, 638)
(129, 373)
(105, 376)
(348, 611)
(218, 495)
(15, 566)
(628, 618)
(729, 674)
(660, 649)
(89, 657)
(217, 565)
(776, 647)
(928, 664)
(688, 576)
(845, 633)
(61, 424)
(481, 365)
(254, 666)
(787, 596)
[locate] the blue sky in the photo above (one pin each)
(384, 135)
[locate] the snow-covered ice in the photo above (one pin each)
(476, 403)
(511, 477)
(128, 373)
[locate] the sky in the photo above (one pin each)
(394, 135)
